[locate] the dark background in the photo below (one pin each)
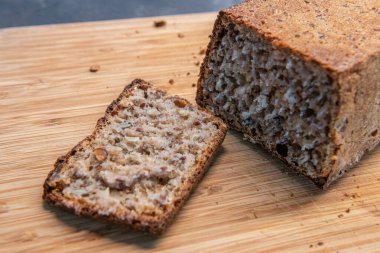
(38, 12)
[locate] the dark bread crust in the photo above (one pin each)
(325, 32)
(152, 224)
(353, 68)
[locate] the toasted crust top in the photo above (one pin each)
(337, 34)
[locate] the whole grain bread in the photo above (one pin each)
(301, 78)
(141, 162)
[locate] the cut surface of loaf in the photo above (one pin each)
(301, 78)
(142, 161)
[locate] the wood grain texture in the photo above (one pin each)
(49, 101)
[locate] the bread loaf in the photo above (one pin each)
(142, 161)
(301, 78)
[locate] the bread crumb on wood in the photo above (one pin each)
(214, 189)
(159, 23)
(340, 215)
(348, 210)
(180, 35)
(28, 236)
(352, 196)
(171, 81)
(94, 68)
(320, 243)
(197, 63)
(252, 215)
(193, 85)
(188, 73)
(202, 51)
(3, 207)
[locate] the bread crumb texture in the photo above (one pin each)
(273, 97)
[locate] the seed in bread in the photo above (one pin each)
(301, 78)
(145, 156)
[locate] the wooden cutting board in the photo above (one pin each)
(49, 101)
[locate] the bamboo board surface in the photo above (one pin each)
(49, 101)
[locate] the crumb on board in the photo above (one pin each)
(348, 210)
(137, 31)
(28, 236)
(214, 189)
(320, 243)
(159, 23)
(340, 215)
(252, 215)
(171, 81)
(193, 85)
(291, 194)
(94, 68)
(180, 35)
(352, 196)
(202, 51)
(197, 63)
(188, 73)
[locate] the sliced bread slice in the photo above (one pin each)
(141, 162)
